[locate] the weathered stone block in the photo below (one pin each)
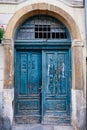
(8, 77)
(8, 97)
(6, 124)
(81, 116)
(78, 110)
(78, 67)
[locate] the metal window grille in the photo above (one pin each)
(42, 27)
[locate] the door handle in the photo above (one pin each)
(40, 90)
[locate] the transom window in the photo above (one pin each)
(42, 27)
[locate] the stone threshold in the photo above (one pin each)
(42, 127)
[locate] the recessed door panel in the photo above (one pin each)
(56, 87)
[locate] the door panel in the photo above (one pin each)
(56, 87)
(28, 82)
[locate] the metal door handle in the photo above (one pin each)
(40, 90)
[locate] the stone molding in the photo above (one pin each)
(72, 3)
(76, 43)
(11, 1)
(7, 42)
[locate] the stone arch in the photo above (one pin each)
(42, 8)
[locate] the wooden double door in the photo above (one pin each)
(42, 86)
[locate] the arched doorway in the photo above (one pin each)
(42, 71)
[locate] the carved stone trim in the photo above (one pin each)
(11, 2)
(77, 2)
(8, 74)
(73, 3)
(7, 41)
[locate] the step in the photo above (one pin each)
(41, 127)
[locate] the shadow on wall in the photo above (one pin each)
(5, 123)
